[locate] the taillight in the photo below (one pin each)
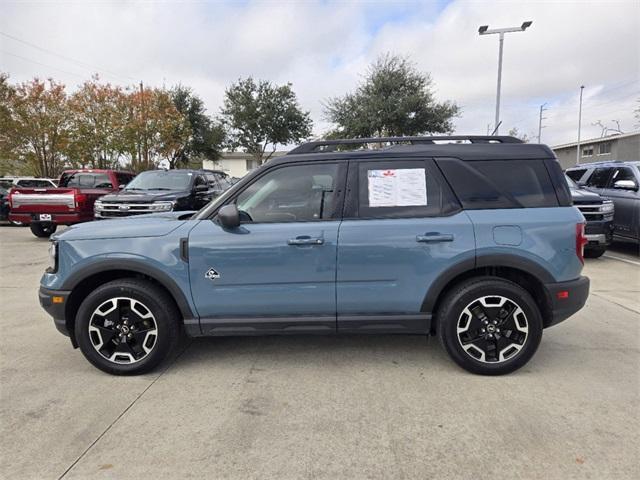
(80, 199)
(581, 241)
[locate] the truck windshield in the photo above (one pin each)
(161, 180)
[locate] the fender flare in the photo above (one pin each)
(135, 266)
(487, 260)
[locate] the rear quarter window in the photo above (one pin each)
(491, 184)
(86, 180)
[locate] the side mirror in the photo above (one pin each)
(201, 188)
(626, 185)
(229, 216)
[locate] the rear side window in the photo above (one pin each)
(86, 180)
(500, 184)
(398, 189)
(576, 175)
(600, 177)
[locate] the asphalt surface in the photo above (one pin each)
(351, 407)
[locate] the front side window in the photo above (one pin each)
(600, 177)
(622, 173)
(298, 193)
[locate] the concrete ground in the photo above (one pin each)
(320, 407)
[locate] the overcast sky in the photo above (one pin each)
(323, 48)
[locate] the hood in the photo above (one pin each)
(144, 196)
(582, 196)
(151, 225)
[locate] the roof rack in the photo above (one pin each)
(322, 146)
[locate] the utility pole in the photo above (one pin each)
(540, 118)
(579, 125)
(484, 30)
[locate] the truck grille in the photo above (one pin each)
(123, 209)
(590, 211)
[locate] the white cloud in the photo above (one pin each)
(323, 47)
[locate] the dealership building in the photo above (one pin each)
(624, 146)
(235, 164)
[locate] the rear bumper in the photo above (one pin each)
(567, 298)
(55, 308)
(56, 218)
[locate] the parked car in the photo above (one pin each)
(477, 243)
(163, 191)
(26, 182)
(598, 212)
(70, 203)
(4, 204)
(620, 182)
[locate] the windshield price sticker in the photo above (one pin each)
(405, 187)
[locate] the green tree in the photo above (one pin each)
(260, 116)
(205, 137)
(394, 99)
(35, 125)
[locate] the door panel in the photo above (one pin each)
(262, 273)
(385, 267)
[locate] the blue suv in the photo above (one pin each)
(473, 239)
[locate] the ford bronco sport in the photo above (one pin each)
(472, 239)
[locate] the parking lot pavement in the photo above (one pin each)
(321, 407)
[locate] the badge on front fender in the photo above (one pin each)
(211, 274)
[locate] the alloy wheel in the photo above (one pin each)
(123, 330)
(492, 329)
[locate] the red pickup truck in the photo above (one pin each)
(72, 202)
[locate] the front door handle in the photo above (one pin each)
(305, 240)
(434, 237)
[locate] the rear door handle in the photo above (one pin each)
(434, 237)
(305, 240)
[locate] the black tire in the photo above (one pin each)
(154, 300)
(451, 315)
(594, 252)
(42, 230)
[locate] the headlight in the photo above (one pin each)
(97, 205)
(161, 206)
(53, 257)
(606, 207)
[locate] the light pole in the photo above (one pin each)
(579, 125)
(484, 30)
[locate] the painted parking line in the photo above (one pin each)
(626, 260)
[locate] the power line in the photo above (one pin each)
(64, 57)
(41, 64)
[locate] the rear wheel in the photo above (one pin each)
(127, 327)
(489, 325)
(42, 230)
(594, 252)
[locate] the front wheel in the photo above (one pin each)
(489, 325)
(43, 230)
(127, 327)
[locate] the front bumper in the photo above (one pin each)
(599, 233)
(566, 298)
(54, 303)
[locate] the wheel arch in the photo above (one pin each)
(84, 281)
(524, 272)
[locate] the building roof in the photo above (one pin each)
(597, 140)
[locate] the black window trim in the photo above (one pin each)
(336, 215)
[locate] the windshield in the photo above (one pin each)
(161, 180)
(572, 185)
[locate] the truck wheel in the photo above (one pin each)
(43, 230)
(127, 327)
(594, 252)
(489, 325)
